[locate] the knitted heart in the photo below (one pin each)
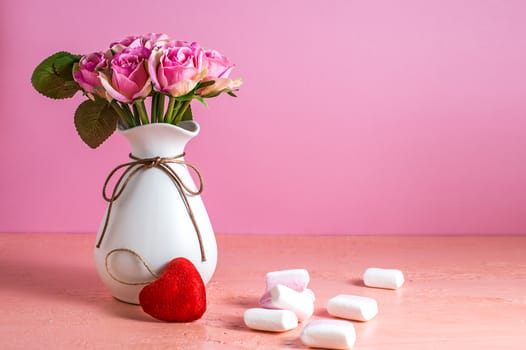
(178, 295)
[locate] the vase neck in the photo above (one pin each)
(160, 139)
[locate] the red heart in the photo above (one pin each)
(178, 295)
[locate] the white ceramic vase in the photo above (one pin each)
(149, 223)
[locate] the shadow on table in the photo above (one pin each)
(357, 282)
(44, 278)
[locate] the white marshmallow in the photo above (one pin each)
(297, 279)
(266, 299)
(383, 278)
(286, 298)
(352, 307)
(329, 334)
(270, 320)
(309, 294)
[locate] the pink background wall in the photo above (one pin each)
(356, 117)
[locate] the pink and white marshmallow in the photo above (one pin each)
(297, 279)
(286, 298)
(287, 290)
(266, 298)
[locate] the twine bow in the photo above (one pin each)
(162, 163)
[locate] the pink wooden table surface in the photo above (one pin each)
(460, 293)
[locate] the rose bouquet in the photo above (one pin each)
(138, 80)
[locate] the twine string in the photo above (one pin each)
(139, 257)
(162, 163)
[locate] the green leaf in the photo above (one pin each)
(217, 93)
(202, 100)
(95, 121)
(188, 97)
(188, 114)
(53, 77)
(213, 94)
(204, 84)
(191, 94)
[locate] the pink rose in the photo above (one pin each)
(220, 85)
(154, 40)
(150, 41)
(129, 78)
(218, 69)
(218, 65)
(177, 67)
(86, 73)
(129, 41)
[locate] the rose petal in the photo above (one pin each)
(153, 63)
(181, 88)
(145, 91)
(124, 85)
(111, 91)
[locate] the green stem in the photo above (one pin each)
(170, 109)
(174, 112)
(141, 109)
(126, 108)
(153, 115)
(160, 108)
(180, 113)
(124, 118)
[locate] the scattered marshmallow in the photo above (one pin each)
(286, 298)
(329, 334)
(383, 278)
(270, 320)
(296, 279)
(352, 307)
(266, 299)
(309, 294)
